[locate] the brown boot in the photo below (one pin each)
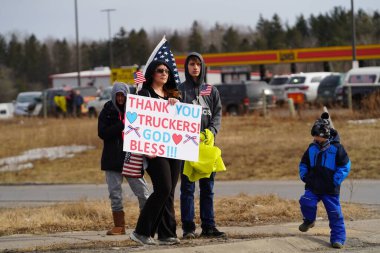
(118, 220)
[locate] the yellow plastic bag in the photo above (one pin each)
(210, 159)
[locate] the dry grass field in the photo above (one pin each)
(239, 210)
(252, 147)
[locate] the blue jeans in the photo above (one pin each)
(206, 201)
(309, 203)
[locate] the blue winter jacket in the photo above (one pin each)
(324, 171)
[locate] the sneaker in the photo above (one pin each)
(212, 232)
(306, 225)
(142, 239)
(188, 235)
(169, 241)
(337, 245)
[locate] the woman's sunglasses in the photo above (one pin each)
(161, 71)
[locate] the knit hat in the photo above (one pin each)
(322, 126)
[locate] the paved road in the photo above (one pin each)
(358, 191)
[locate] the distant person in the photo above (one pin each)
(99, 91)
(70, 105)
(158, 215)
(60, 107)
(323, 167)
(195, 91)
(110, 130)
(78, 102)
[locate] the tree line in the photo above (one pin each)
(26, 63)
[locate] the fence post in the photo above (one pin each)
(264, 104)
(291, 107)
(349, 98)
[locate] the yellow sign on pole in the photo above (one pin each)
(124, 75)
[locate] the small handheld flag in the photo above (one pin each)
(138, 77)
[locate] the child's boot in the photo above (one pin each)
(306, 225)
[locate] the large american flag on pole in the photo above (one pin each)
(162, 52)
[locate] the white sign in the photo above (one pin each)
(154, 127)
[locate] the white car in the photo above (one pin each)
(277, 84)
(305, 84)
(95, 106)
(26, 103)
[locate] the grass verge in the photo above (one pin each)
(241, 210)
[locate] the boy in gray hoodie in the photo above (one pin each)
(195, 91)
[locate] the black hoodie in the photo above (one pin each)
(110, 128)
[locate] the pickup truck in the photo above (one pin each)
(245, 97)
(363, 82)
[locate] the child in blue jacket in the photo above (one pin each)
(323, 167)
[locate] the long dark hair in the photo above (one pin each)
(170, 87)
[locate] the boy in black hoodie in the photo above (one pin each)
(110, 130)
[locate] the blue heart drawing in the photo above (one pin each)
(131, 117)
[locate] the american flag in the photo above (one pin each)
(138, 76)
(162, 53)
(205, 90)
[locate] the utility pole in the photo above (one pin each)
(354, 61)
(109, 34)
(77, 42)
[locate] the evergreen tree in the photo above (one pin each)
(44, 66)
(275, 35)
(143, 48)
(364, 28)
(121, 49)
(9, 91)
(195, 41)
(230, 40)
(3, 50)
(31, 59)
(176, 43)
(14, 59)
(376, 26)
(212, 49)
(244, 45)
(61, 55)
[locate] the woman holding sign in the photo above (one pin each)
(158, 213)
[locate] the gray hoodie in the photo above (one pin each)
(190, 90)
(119, 87)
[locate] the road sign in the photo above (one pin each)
(124, 74)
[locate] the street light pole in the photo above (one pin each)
(109, 34)
(354, 61)
(77, 42)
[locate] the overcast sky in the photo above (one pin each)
(56, 18)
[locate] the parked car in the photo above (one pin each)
(277, 84)
(305, 84)
(96, 105)
(6, 110)
(88, 94)
(26, 102)
(327, 90)
(245, 97)
(363, 82)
